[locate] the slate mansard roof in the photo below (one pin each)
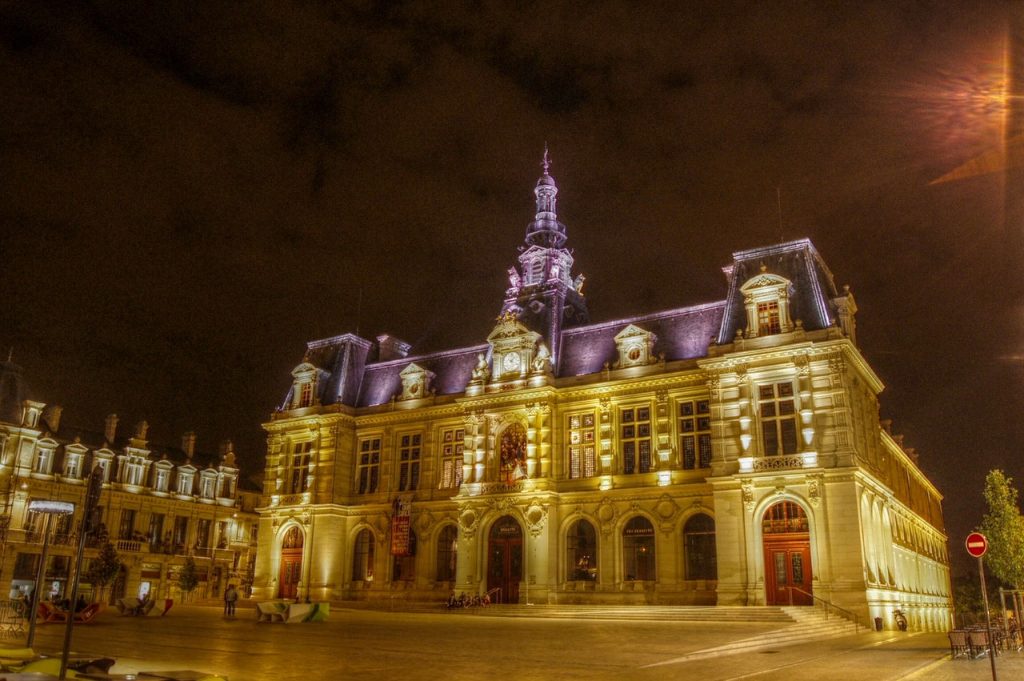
(350, 372)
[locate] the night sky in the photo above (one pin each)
(190, 192)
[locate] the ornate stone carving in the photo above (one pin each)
(607, 513)
(814, 491)
(606, 405)
(666, 507)
(747, 491)
(468, 521)
(778, 463)
(536, 519)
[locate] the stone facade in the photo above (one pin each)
(157, 506)
(724, 453)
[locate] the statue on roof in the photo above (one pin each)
(481, 372)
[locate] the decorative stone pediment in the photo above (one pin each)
(635, 346)
(513, 348)
(415, 382)
(304, 386)
(766, 299)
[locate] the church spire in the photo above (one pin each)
(545, 230)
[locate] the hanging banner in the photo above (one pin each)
(400, 518)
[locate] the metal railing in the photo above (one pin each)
(828, 605)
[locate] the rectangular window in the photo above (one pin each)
(452, 446)
(156, 529)
(298, 473)
(695, 434)
(409, 462)
(305, 394)
(180, 533)
(582, 446)
(73, 466)
(185, 483)
(768, 318)
(162, 476)
(778, 418)
(42, 463)
(368, 469)
(127, 528)
(203, 533)
(636, 439)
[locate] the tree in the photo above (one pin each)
(1003, 525)
(104, 568)
(188, 580)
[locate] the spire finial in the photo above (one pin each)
(546, 163)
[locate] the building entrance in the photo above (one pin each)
(291, 564)
(787, 555)
(505, 560)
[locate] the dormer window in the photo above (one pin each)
(766, 298)
(208, 485)
(415, 382)
(43, 461)
(163, 476)
(305, 385)
(185, 482)
(635, 345)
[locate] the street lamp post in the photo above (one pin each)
(48, 509)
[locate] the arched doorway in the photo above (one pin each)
(291, 564)
(505, 560)
(787, 555)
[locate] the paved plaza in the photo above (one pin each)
(358, 644)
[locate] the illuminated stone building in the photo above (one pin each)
(158, 505)
(721, 453)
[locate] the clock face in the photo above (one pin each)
(510, 361)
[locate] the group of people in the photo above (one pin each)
(464, 601)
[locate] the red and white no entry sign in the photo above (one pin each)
(977, 544)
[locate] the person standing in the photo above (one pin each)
(230, 597)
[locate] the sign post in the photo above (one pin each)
(977, 545)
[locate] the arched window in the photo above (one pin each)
(362, 557)
(581, 552)
(403, 568)
(699, 545)
(447, 553)
(292, 539)
(638, 550)
(513, 453)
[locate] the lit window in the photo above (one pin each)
(43, 461)
(447, 553)
(368, 469)
(638, 550)
(636, 439)
(699, 545)
(768, 318)
(778, 418)
(513, 453)
(298, 473)
(73, 466)
(582, 447)
(305, 395)
(581, 552)
(452, 446)
(362, 557)
(409, 462)
(695, 434)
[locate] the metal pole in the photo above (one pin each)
(1002, 609)
(988, 618)
(74, 596)
(40, 574)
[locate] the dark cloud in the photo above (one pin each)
(191, 191)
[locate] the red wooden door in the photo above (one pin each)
(291, 573)
(505, 560)
(788, 564)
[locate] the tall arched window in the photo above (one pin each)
(403, 568)
(447, 553)
(362, 557)
(699, 545)
(513, 453)
(581, 552)
(638, 550)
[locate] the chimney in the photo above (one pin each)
(52, 417)
(227, 453)
(110, 429)
(391, 347)
(140, 430)
(188, 444)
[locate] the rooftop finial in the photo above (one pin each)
(546, 163)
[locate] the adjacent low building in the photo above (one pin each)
(727, 452)
(158, 505)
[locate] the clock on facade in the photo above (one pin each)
(511, 361)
